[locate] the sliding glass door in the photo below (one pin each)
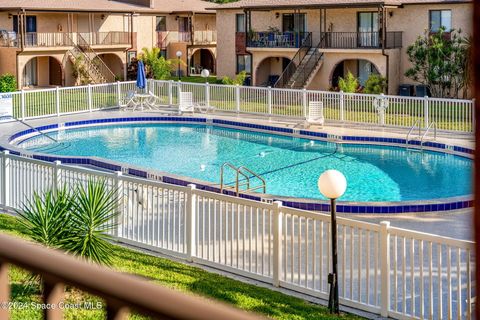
(368, 34)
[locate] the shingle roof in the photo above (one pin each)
(320, 3)
(165, 6)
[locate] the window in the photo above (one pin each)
(30, 23)
(244, 63)
(161, 23)
(240, 22)
(163, 53)
(440, 18)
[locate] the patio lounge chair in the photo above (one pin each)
(128, 101)
(315, 114)
(186, 103)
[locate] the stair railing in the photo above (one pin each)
(296, 60)
(96, 62)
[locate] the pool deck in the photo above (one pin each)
(450, 138)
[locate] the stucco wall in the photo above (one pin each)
(8, 61)
(226, 57)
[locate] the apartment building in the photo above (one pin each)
(310, 44)
(43, 42)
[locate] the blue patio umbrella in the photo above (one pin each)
(141, 78)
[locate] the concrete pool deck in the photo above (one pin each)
(435, 222)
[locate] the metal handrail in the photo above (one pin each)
(417, 123)
(292, 66)
(36, 130)
(434, 125)
(264, 183)
(316, 56)
(238, 171)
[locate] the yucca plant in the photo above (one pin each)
(92, 217)
(46, 217)
(77, 222)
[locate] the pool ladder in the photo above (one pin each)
(244, 172)
(421, 137)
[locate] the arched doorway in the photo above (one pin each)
(114, 63)
(270, 70)
(202, 59)
(42, 72)
(360, 68)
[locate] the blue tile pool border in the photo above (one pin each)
(437, 205)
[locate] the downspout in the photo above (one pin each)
(248, 27)
(131, 31)
(384, 33)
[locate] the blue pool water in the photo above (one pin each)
(291, 166)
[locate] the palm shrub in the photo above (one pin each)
(46, 217)
(375, 84)
(94, 210)
(8, 83)
(156, 66)
(77, 222)
(239, 79)
(348, 84)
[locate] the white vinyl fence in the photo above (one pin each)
(382, 269)
(395, 111)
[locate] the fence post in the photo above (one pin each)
(237, 98)
(5, 178)
(342, 106)
(179, 91)
(22, 103)
(207, 95)
(381, 109)
(304, 103)
(473, 116)
(170, 92)
(119, 93)
(56, 175)
(277, 242)
(384, 268)
(269, 99)
(425, 112)
(119, 216)
(57, 100)
(191, 223)
(89, 88)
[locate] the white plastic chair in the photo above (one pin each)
(186, 103)
(128, 100)
(315, 113)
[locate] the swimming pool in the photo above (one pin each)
(290, 165)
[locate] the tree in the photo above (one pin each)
(348, 84)
(156, 66)
(8, 83)
(440, 61)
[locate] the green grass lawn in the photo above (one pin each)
(171, 274)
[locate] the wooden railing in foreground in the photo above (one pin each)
(121, 292)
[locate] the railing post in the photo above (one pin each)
(57, 100)
(207, 95)
(277, 242)
(53, 293)
(4, 290)
(191, 223)
(381, 109)
(237, 98)
(119, 93)
(5, 178)
(89, 89)
(269, 99)
(304, 103)
(170, 92)
(425, 112)
(342, 105)
(384, 268)
(119, 216)
(22, 103)
(57, 175)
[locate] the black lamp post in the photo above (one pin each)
(332, 184)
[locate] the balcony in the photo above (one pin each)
(204, 37)
(268, 39)
(360, 40)
(64, 39)
(200, 37)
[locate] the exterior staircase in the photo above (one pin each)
(302, 68)
(97, 70)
